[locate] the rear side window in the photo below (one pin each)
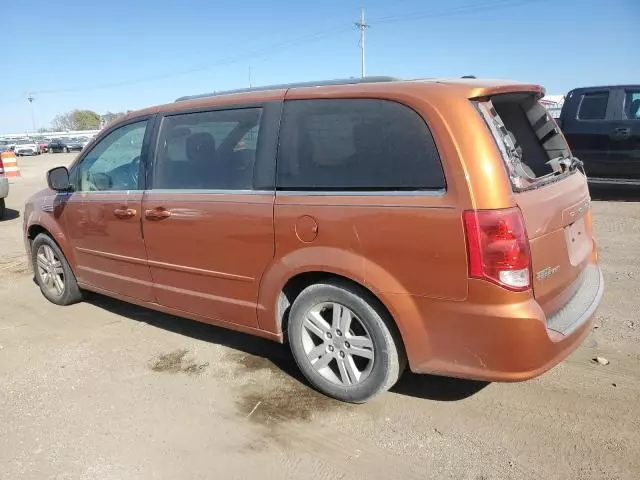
(593, 106)
(212, 150)
(356, 145)
(632, 105)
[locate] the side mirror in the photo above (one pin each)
(58, 179)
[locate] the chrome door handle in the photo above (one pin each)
(157, 214)
(124, 212)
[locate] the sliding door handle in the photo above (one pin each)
(157, 214)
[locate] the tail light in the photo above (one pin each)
(1, 166)
(498, 247)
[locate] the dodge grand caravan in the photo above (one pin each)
(442, 224)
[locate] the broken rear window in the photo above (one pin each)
(534, 150)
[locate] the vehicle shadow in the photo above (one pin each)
(421, 386)
(621, 193)
(10, 214)
(278, 354)
(435, 387)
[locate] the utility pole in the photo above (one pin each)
(33, 116)
(362, 25)
(250, 77)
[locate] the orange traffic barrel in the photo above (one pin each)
(9, 164)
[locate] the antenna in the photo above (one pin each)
(362, 25)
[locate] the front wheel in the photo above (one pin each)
(53, 273)
(344, 342)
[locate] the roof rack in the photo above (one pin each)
(322, 83)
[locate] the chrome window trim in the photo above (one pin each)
(184, 191)
(280, 193)
(367, 193)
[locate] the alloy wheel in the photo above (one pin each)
(337, 344)
(50, 270)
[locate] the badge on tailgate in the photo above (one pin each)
(573, 213)
(547, 272)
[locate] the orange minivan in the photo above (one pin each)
(370, 224)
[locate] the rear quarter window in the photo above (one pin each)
(356, 145)
(593, 106)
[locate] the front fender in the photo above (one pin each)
(47, 214)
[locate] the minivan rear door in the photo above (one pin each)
(554, 201)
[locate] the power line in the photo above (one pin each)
(314, 37)
(321, 35)
(460, 10)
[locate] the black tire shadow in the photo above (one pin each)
(434, 387)
(618, 193)
(10, 214)
(429, 387)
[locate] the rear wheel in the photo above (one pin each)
(343, 342)
(53, 273)
(3, 208)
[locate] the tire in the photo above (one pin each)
(66, 149)
(3, 208)
(369, 323)
(70, 293)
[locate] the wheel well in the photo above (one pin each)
(297, 284)
(35, 230)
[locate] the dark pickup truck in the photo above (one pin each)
(602, 127)
(63, 145)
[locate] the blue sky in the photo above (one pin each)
(128, 54)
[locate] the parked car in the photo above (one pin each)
(602, 127)
(26, 147)
(63, 145)
(42, 146)
(382, 222)
(84, 141)
(4, 184)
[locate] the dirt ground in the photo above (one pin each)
(104, 390)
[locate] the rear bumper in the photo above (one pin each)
(489, 341)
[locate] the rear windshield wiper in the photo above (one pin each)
(565, 164)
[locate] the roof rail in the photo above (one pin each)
(322, 83)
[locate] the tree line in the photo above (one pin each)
(84, 120)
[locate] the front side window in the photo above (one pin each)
(593, 106)
(213, 150)
(114, 162)
(632, 105)
(356, 145)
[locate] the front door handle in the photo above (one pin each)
(124, 212)
(157, 214)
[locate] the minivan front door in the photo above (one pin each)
(208, 226)
(103, 217)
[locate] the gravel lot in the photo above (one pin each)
(104, 390)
